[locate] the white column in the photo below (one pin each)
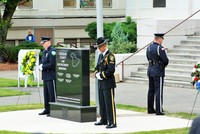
(99, 8)
(78, 4)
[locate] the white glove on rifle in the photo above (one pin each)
(40, 66)
(98, 76)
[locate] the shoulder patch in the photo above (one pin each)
(53, 53)
(112, 57)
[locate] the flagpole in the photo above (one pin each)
(99, 10)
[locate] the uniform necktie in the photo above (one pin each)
(101, 56)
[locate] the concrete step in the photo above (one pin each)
(176, 77)
(183, 56)
(196, 42)
(170, 83)
(194, 38)
(182, 61)
(184, 51)
(187, 46)
(170, 70)
(181, 66)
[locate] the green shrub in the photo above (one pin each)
(10, 53)
(120, 42)
(129, 27)
(30, 45)
(92, 62)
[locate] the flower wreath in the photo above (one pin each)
(196, 76)
(28, 64)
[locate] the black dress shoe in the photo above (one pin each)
(111, 126)
(48, 115)
(151, 112)
(100, 123)
(44, 113)
(160, 113)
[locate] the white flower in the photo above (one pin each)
(194, 70)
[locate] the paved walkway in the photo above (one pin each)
(175, 100)
(127, 121)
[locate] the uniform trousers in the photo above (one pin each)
(155, 92)
(107, 106)
(49, 94)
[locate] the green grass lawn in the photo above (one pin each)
(12, 83)
(170, 131)
(20, 107)
(9, 92)
(11, 132)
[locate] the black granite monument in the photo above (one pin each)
(73, 86)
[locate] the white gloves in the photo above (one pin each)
(98, 76)
(40, 66)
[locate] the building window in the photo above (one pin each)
(69, 3)
(92, 3)
(159, 3)
(25, 5)
(71, 42)
(86, 42)
(107, 3)
(10, 43)
(88, 3)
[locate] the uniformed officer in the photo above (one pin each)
(47, 66)
(156, 71)
(106, 83)
(195, 129)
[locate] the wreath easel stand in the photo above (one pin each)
(28, 65)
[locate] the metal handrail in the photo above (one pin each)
(122, 62)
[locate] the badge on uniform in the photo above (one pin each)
(53, 53)
(112, 58)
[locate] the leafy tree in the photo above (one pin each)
(6, 17)
(128, 27)
(92, 29)
(120, 42)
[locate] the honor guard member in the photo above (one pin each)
(156, 72)
(106, 83)
(48, 65)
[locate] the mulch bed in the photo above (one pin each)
(8, 66)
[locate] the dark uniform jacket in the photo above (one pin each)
(157, 60)
(49, 64)
(106, 67)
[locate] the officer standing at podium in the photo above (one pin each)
(48, 67)
(156, 72)
(106, 83)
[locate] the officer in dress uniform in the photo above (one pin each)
(48, 65)
(106, 83)
(156, 71)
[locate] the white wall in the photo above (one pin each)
(47, 4)
(147, 27)
(139, 9)
(119, 4)
(130, 65)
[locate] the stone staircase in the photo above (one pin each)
(182, 59)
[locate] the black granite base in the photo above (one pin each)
(73, 112)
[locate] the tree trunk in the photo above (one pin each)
(5, 20)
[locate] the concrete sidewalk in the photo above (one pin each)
(127, 121)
